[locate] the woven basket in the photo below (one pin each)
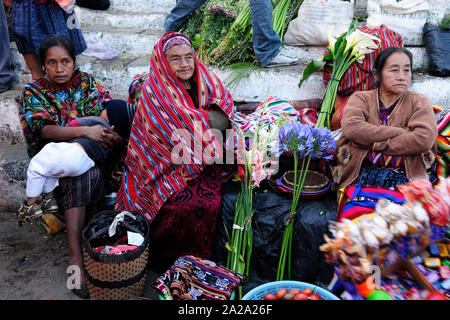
(314, 180)
(115, 276)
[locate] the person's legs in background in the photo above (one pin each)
(6, 75)
(24, 19)
(35, 66)
(179, 13)
(266, 42)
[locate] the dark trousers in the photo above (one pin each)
(5, 63)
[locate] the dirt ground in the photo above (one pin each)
(33, 263)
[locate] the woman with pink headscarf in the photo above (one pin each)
(180, 199)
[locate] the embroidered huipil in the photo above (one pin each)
(44, 103)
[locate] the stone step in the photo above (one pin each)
(137, 21)
(149, 6)
(125, 41)
(10, 129)
(118, 73)
(283, 83)
(140, 42)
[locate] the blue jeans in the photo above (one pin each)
(5, 63)
(266, 42)
(180, 12)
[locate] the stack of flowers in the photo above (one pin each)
(306, 143)
(256, 163)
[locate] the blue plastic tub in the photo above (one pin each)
(259, 292)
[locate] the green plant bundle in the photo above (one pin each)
(280, 14)
(445, 23)
(236, 46)
(221, 30)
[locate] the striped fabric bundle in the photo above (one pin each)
(275, 108)
(356, 200)
(359, 77)
(443, 141)
(192, 278)
(167, 124)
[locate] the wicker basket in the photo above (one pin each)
(314, 180)
(114, 276)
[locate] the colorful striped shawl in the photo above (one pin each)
(356, 200)
(443, 141)
(275, 109)
(150, 174)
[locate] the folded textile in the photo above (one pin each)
(192, 278)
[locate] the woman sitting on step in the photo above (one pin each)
(389, 133)
(46, 107)
(179, 197)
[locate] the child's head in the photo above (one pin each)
(120, 114)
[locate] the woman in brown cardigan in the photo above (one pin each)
(389, 133)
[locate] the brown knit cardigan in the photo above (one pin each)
(411, 132)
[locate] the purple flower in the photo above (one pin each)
(324, 144)
(306, 140)
(221, 10)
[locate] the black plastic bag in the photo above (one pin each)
(271, 211)
(437, 46)
(96, 231)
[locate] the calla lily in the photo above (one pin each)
(359, 53)
(331, 39)
(358, 36)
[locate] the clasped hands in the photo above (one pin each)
(108, 138)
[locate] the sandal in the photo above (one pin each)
(49, 205)
(29, 212)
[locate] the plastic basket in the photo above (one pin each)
(259, 292)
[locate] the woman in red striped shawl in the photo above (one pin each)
(167, 174)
